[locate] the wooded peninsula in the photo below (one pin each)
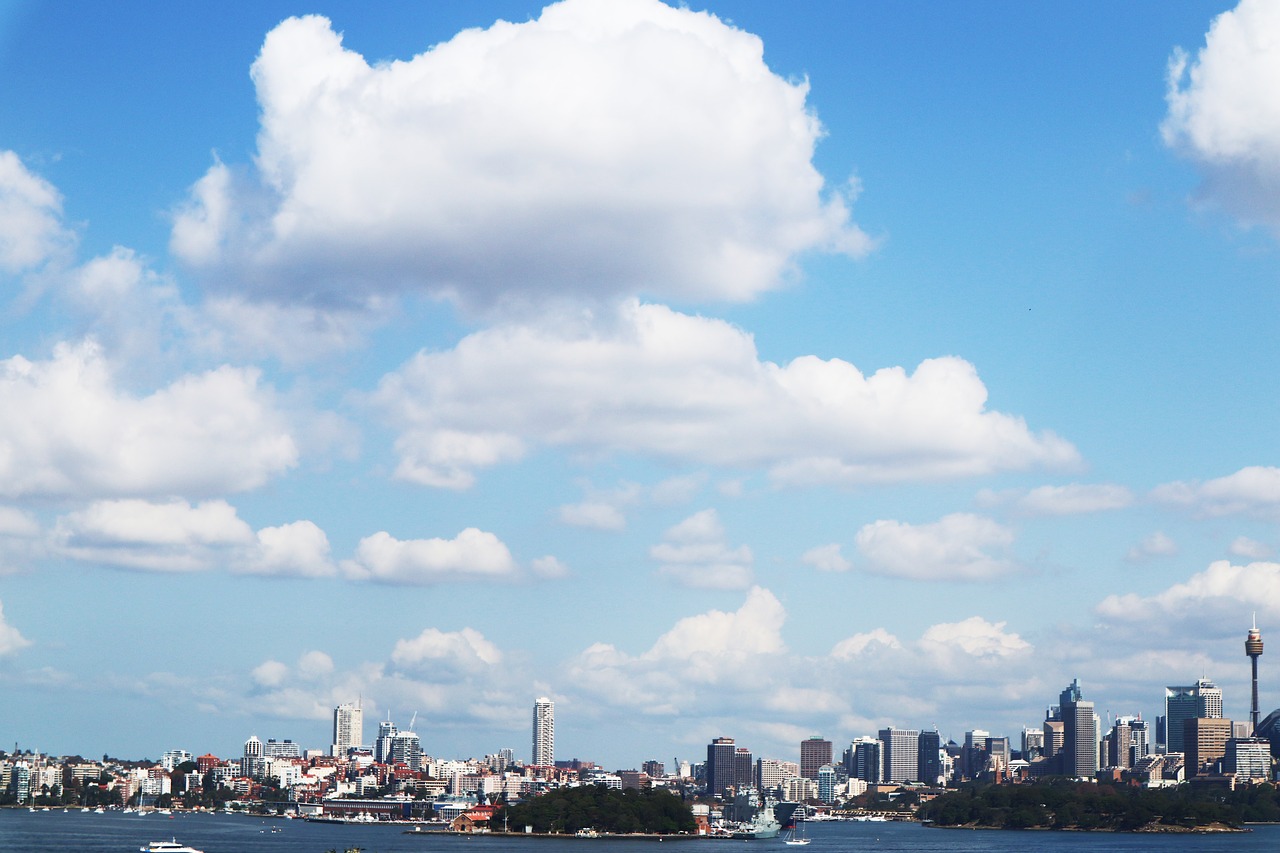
(1082, 806)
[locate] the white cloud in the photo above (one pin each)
(975, 637)
(596, 515)
(1071, 499)
(66, 429)
(1243, 546)
(1253, 491)
(694, 554)
(549, 567)
(652, 381)
(299, 549)
(10, 639)
(956, 547)
(1222, 595)
(176, 536)
(270, 673)
(433, 647)
(472, 554)
(857, 645)
(1156, 545)
(31, 230)
(618, 147)
(165, 537)
(826, 558)
(1222, 113)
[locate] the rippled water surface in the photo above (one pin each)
(56, 831)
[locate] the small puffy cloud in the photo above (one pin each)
(1071, 499)
(31, 229)
(472, 555)
(173, 536)
(601, 148)
(269, 673)
(960, 546)
(549, 568)
(433, 646)
(1221, 595)
(646, 379)
(1243, 546)
(18, 523)
(694, 554)
(1221, 113)
(67, 429)
(299, 549)
(314, 664)
(974, 637)
(857, 645)
(754, 628)
(826, 558)
(1252, 491)
(10, 638)
(1156, 545)
(596, 515)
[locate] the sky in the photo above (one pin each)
(746, 370)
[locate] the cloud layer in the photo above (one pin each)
(657, 154)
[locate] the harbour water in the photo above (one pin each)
(56, 831)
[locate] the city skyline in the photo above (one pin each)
(730, 369)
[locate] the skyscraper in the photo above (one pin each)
(901, 754)
(1079, 733)
(929, 757)
(814, 753)
(1181, 703)
(348, 729)
(863, 760)
(721, 765)
(544, 732)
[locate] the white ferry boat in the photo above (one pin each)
(171, 846)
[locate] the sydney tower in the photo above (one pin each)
(1253, 648)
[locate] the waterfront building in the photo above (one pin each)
(744, 769)
(814, 753)
(544, 732)
(901, 754)
(348, 729)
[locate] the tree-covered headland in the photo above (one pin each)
(606, 810)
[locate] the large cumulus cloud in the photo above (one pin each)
(653, 381)
(656, 154)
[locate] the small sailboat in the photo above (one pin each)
(795, 835)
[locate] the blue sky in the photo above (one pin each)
(715, 371)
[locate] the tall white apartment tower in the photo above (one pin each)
(544, 731)
(348, 729)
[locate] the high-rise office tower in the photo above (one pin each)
(864, 760)
(901, 754)
(1079, 733)
(405, 749)
(544, 732)
(348, 729)
(814, 752)
(251, 759)
(1181, 703)
(973, 756)
(1253, 648)
(929, 758)
(1206, 742)
(721, 766)
(744, 769)
(382, 746)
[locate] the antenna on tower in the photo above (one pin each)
(413, 720)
